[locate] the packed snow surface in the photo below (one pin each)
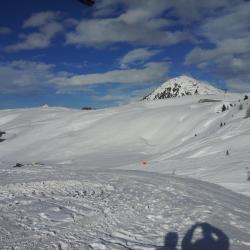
(124, 177)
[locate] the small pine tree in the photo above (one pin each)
(245, 97)
(241, 106)
(224, 108)
(1, 134)
(248, 113)
(248, 173)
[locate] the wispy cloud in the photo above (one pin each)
(101, 32)
(141, 23)
(41, 18)
(21, 75)
(230, 56)
(5, 31)
(218, 30)
(150, 72)
(137, 56)
(48, 26)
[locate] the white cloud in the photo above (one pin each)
(221, 27)
(233, 24)
(228, 31)
(140, 22)
(242, 86)
(18, 76)
(31, 41)
(137, 56)
(151, 72)
(48, 27)
(41, 19)
(5, 30)
(123, 94)
(186, 11)
(25, 76)
(225, 47)
(109, 7)
(190, 11)
(101, 32)
(146, 22)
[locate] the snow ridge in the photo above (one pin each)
(182, 86)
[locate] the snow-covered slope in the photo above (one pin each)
(179, 134)
(68, 208)
(119, 178)
(182, 86)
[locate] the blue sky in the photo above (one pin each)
(63, 53)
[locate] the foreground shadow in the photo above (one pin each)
(171, 241)
(211, 238)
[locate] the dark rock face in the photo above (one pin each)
(173, 92)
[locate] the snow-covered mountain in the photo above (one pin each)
(182, 86)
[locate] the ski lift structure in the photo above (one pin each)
(87, 2)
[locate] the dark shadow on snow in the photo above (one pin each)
(171, 241)
(211, 238)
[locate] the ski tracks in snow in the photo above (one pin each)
(115, 210)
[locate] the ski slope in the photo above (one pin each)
(84, 184)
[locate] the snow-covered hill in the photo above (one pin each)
(182, 86)
(179, 134)
(122, 178)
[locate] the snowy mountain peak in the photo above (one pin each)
(182, 86)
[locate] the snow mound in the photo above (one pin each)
(182, 86)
